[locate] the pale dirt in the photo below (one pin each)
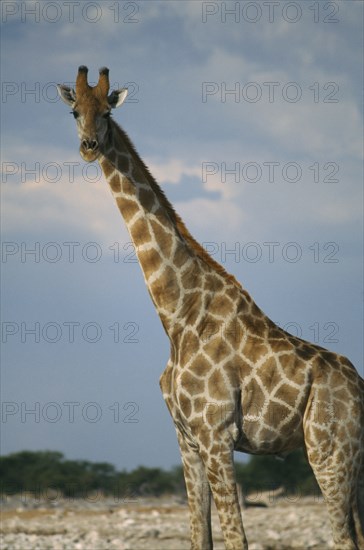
(154, 524)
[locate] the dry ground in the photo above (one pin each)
(154, 524)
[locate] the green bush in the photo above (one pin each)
(268, 473)
(39, 471)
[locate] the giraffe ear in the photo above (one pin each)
(117, 97)
(67, 94)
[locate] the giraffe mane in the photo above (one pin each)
(175, 218)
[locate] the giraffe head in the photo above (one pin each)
(91, 107)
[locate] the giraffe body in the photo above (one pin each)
(234, 380)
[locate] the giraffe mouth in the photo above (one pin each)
(89, 155)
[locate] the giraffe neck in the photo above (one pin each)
(173, 263)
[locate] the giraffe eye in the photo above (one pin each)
(75, 114)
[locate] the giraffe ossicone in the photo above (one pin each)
(234, 380)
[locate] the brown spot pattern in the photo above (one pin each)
(127, 207)
(114, 183)
(150, 260)
(191, 383)
(255, 348)
(217, 386)
(217, 349)
(140, 233)
(147, 199)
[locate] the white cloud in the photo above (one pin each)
(62, 208)
(172, 170)
(210, 218)
(333, 131)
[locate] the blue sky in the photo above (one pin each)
(249, 116)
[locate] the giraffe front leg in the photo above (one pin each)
(221, 476)
(199, 497)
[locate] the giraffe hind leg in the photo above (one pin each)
(339, 502)
(337, 475)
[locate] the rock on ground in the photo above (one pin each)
(155, 524)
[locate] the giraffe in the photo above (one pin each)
(234, 379)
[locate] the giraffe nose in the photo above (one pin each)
(90, 144)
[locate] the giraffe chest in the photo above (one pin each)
(201, 401)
